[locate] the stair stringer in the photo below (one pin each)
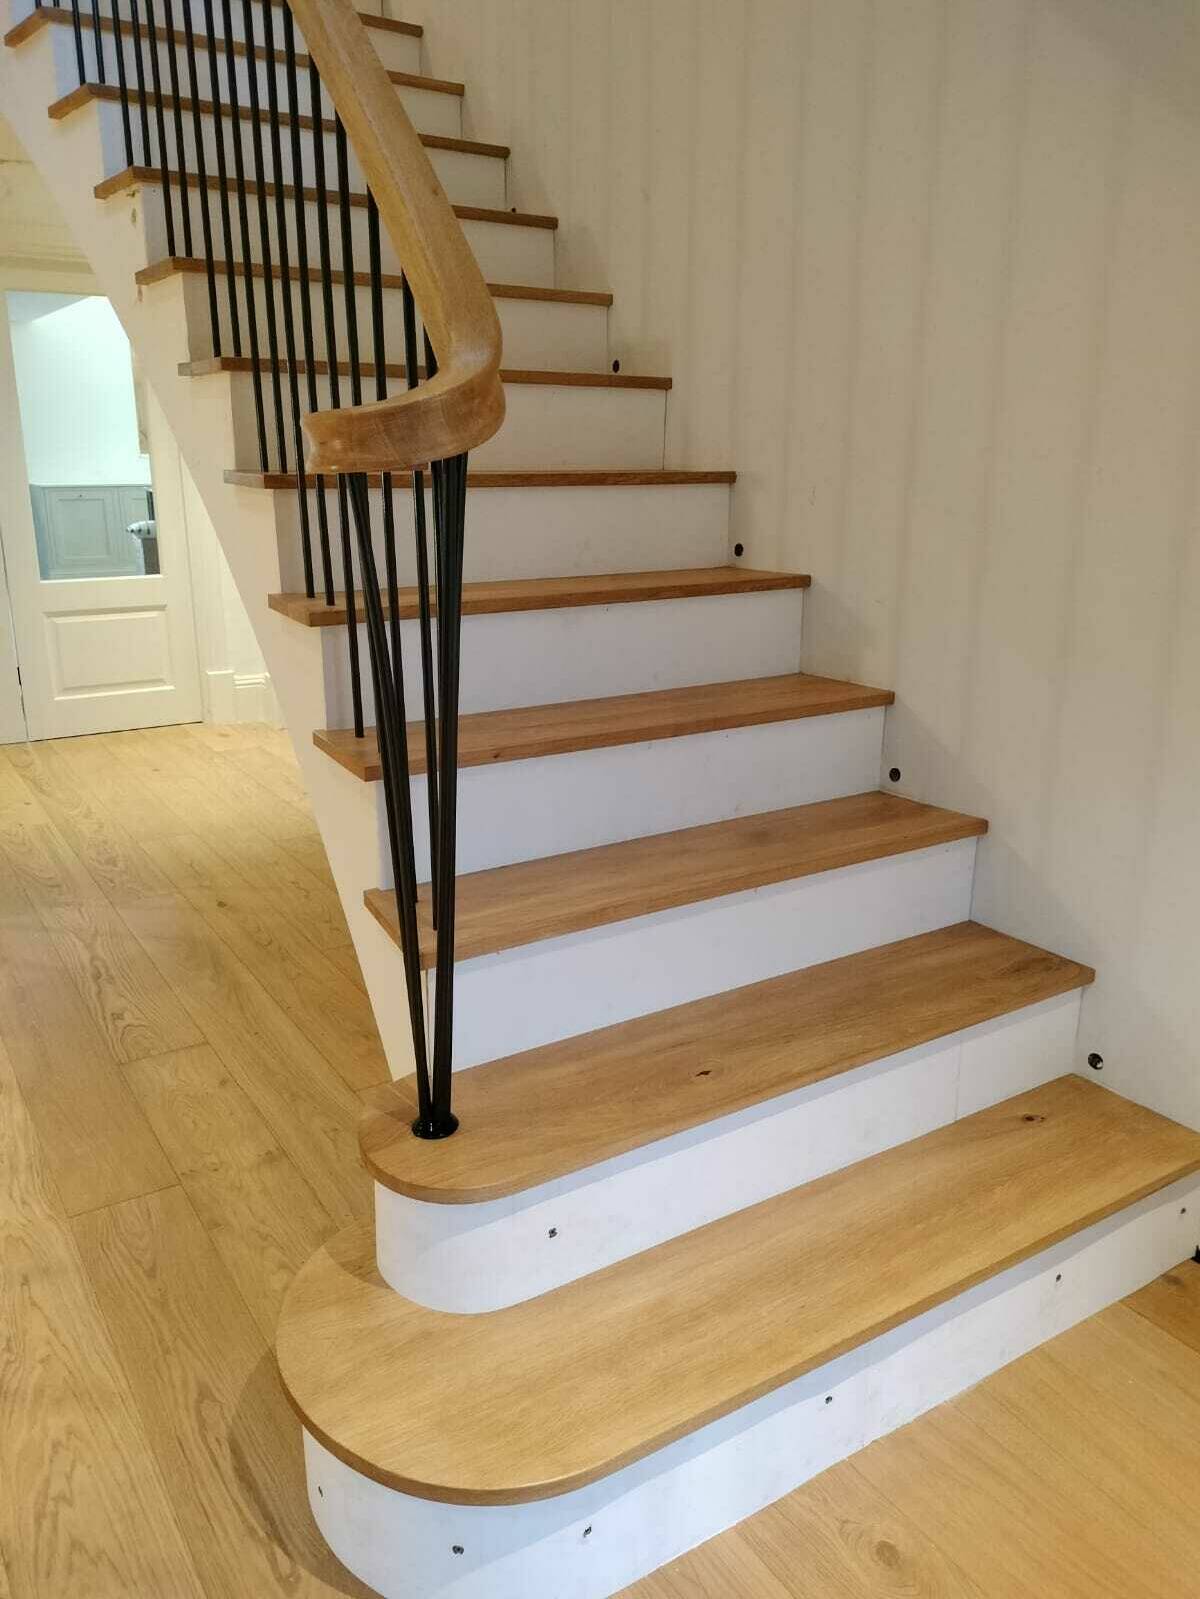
(110, 233)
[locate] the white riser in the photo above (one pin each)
(546, 425)
(506, 252)
(564, 986)
(399, 52)
(474, 1258)
(539, 335)
(559, 532)
(468, 178)
(595, 1541)
(432, 111)
(546, 657)
(521, 810)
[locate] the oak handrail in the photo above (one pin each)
(463, 404)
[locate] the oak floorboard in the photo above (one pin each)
(131, 1004)
(1172, 1302)
(345, 959)
(84, 1509)
(174, 754)
(189, 860)
(108, 852)
(1005, 1517)
(1166, 1400)
(208, 1399)
(307, 1107)
(334, 1013)
(49, 871)
(15, 793)
(728, 1565)
(115, 790)
(840, 1538)
(98, 1145)
(1103, 1452)
(207, 811)
(277, 775)
(262, 1217)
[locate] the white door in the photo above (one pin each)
(102, 615)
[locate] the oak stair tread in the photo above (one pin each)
(72, 101)
(550, 478)
(173, 265)
(624, 1087)
(506, 907)
(128, 177)
(528, 731)
(46, 15)
(554, 593)
(532, 1401)
(207, 365)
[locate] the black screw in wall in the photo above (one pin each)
(739, 549)
(616, 366)
(1096, 1062)
(894, 774)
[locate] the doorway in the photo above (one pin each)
(98, 583)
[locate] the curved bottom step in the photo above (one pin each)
(593, 1542)
(584, 1384)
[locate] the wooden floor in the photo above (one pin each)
(184, 1048)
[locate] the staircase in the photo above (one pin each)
(765, 1147)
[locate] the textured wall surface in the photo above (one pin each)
(927, 273)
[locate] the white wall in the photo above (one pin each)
(927, 273)
(234, 678)
(75, 383)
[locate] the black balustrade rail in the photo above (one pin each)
(263, 149)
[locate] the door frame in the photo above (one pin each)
(16, 511)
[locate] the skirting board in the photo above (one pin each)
(240, 697)
(473, 1258)
(595, 1541)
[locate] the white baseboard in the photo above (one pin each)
(595, 1541)
(220, 697)
(255, 699)
(240, 697)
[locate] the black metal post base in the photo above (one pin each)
(435, 1126)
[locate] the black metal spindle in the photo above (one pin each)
(449, 536)
(239, 168)
(349, 291)
(98, 42)
(393, 748)
(306, 325)
(335, 388)
(143, 104)
(160, 124)
(285, 286)
(264, 233)
(353, 354)
(214, 310)
(379, 345)
(214, 80)
(185, 201)
(425, 621)
(118, 28)
(77, 24)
